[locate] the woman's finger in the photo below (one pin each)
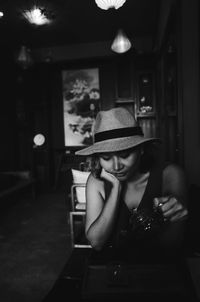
(172, 210)
(158, 201)
(172, 203)
(179, 215)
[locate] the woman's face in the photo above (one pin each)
(122, 164)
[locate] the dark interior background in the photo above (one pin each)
(165, 37)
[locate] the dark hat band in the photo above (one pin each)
(117, 133)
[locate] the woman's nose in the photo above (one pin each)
(116, 163)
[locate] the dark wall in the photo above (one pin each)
(32, 103)
(8, 129)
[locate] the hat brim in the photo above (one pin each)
(114, 145)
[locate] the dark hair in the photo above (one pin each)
(94, 165)
(147, 160)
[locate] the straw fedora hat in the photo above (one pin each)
(115, 130)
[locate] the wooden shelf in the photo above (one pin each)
(146, 115)
(124, 101)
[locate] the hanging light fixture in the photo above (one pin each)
(38, 16)
(24, 58)
(121, 42)
(106, 4)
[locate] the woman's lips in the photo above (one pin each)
(119, 174)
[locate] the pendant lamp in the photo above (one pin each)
(121, 42)
(106, 4)
(38, 16)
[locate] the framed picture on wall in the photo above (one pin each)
(81, 102)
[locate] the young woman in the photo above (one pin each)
(136, 203)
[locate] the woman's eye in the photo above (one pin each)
(124, 154)
(105, 157)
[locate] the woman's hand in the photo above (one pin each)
(110, 177)
(102, 208)
(171, 208)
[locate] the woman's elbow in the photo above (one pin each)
(97, 247)
(94, 242)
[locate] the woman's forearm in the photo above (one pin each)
(101, 229)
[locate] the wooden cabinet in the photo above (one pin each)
(146, 93)
(135, 90)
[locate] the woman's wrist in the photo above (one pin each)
(116, 189)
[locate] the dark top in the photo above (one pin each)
(136, 233)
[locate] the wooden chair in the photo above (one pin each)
(78, 209)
